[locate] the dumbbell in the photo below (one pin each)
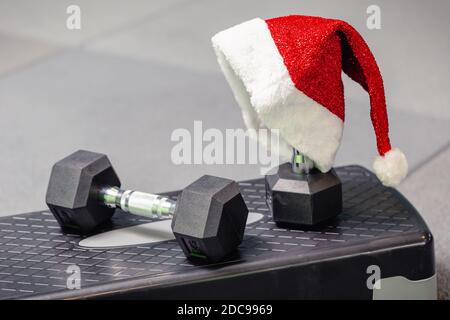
(301, 196)
(208, 220)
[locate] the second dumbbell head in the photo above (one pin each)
(210, 217)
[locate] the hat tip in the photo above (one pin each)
(391, 168)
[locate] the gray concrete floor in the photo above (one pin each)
(139, 69)
(427, 188)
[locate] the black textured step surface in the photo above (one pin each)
(34, 254)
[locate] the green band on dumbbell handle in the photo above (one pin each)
(109, 196)
(301, 164)
(299, 158)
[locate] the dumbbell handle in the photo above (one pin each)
(301, 164)
(138, 203)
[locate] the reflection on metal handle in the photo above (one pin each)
(138, 203)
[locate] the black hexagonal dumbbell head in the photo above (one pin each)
(69, 194)
(299, 200)
(210, 217)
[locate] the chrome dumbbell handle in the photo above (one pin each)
(138, 203)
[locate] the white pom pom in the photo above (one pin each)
(391, 168)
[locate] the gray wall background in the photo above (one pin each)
(139, 69)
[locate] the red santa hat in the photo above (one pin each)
(285, 74)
